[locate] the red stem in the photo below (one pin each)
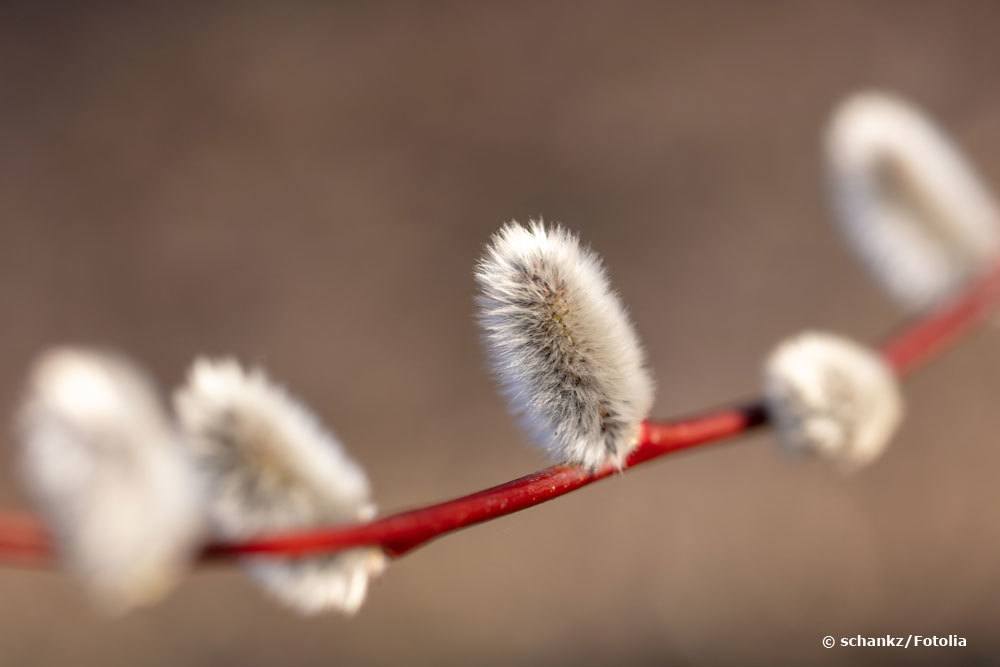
(23, 539)
(920, 341)
(403, 532)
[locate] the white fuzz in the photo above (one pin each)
(275, 468)
(121, 498)
(832, 397)
(562, 345)
(910, 204)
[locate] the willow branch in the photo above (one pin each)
(23, 540)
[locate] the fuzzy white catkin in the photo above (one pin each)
(273, 468)
(831, 397)
(100, 458)
(910, 204)
(561, 343)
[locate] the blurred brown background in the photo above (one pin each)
(308, 186)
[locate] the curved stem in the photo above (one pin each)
(400, 533)
(23, 539)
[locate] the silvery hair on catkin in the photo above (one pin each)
(561, 344)
(831, 397)
(912, 206)
(275, 467)
(104, 463)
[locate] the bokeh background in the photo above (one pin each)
(307, 187)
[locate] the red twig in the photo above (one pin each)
(921, 340)
(400, 533)
(23, 540)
